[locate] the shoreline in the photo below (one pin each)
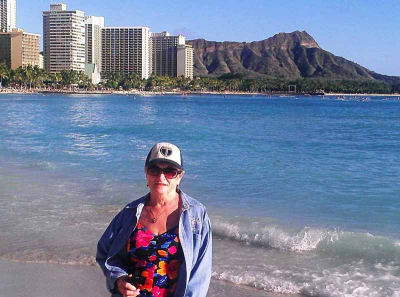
(48, 280)
(176, 93)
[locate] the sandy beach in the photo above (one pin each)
(20, 279)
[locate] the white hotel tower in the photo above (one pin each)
(94, 25)
(126, 50)
(8, 15)
(63, 39)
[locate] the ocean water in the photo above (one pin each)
(303, 193)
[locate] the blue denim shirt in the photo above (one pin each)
(194, 235)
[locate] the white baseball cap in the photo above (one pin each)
(165, 152)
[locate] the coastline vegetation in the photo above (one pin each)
(35, 78)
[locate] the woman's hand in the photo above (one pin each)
(125, 287)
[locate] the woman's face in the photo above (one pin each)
(161, 185)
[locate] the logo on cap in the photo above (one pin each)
(166, 151)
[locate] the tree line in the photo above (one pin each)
(29, 77)
(34, 77)
(238, 83)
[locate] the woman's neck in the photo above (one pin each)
(162, 200)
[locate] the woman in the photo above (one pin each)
(159, 245)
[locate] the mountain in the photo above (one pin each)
(286, 55)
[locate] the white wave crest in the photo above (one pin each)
(273, 236)
(266, 283)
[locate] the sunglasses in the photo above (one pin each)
(169, 172)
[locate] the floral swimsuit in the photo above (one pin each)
(154, 261)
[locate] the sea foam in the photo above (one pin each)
(348, 245)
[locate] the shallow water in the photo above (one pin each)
(303, 193)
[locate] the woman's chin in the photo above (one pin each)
(160, 190)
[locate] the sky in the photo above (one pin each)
(362, 31)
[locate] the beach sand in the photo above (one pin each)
(20, 279)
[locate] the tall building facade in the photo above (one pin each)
(126, 50)
(63, 39)
(185, 61)
(93, 28)
(19, 49)
(5, 49)
(163, 49)
(41, 60)
(8, 15)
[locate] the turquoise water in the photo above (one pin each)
(303, 193)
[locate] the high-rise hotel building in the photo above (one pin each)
(126, 50)
(164, 53)
(63, 39)
(19, 48)
(185, 61)
(8, 15)
(93, 27)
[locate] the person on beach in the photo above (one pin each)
(161, 244)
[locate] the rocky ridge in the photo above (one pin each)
(285, 55)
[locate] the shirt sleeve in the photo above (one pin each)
(116, 269)
(200, 275)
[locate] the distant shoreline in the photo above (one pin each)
(181, 93)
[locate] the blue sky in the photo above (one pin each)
(363, 31)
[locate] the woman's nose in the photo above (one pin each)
(161, 175)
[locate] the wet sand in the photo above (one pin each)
(20, 279)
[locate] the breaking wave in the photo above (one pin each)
(346, 244)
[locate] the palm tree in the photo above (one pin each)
(83, 80)
(57, 79)
(4, 72)
(29, 74)
(69, 77)
(19, 76)
(39, 76)
(132, 80)
(113, 80)
(182, 82)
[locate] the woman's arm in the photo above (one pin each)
(115, 270)
(106, 240)
(200, 275)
